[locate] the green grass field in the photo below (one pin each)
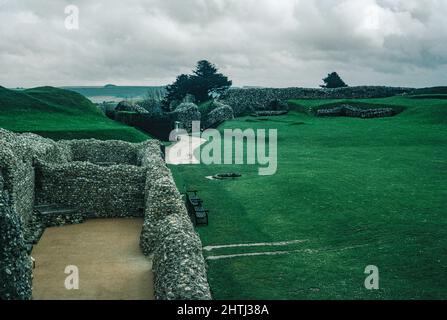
(59, 114)
(356, 192)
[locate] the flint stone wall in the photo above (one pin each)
(168, 234)
(18, 153)
(221, 113)
(115, 191)
(350, 111)
(246, 101)
(22, 191)
(186, 113)
(103, 152)
(15, 264)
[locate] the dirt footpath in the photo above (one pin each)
(107, 254)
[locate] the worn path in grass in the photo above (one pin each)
(107, 254)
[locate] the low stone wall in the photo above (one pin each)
(114, 191)
(353, 112)
(18, 153)
(186, 113)
(246, 101)
(15, 264)
(98, 152)
(168, 234)
(219, 114)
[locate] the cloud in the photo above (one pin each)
(254, 42)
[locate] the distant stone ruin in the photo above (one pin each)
(247, 101)
(94, 179)
(186, 113)
(220, 113)
(354, 112)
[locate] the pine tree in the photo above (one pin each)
(332, 81)
(177, 91)
(204, 83)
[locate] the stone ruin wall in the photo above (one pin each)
(22, 191)
(104, 152)
(17, 155)
(15, 264)
(109, 179)
(246, 101)
(106, 192)
(169, 236)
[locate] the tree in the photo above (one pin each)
(204, 83)
(207, 81)
(177, 91)
(332, 81)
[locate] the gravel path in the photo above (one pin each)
(182, 152)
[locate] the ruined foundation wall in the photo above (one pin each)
(168, 234)
(96, 151)
(20, 152)
(114, 191)
(23, 191)
(15, 264)
(17, 155)
(246, 101)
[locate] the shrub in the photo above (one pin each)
(152, 106)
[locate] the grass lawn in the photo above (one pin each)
(59, 114)
(357, 192)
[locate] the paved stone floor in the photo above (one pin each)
(107, 255)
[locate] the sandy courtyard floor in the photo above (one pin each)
(107, 254)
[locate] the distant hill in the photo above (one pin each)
(45, 99)
(59, 114)
(114, 93)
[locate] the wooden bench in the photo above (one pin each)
(197, 213)
(52, 215)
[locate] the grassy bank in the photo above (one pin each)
(59, 114)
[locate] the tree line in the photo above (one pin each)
(206, 82)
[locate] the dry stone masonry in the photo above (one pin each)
(247, 101)
(186, 113)
(94, 179)
(220, 113)
(353, 112)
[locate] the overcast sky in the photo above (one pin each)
(275, 43)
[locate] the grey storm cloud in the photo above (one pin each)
(255, 42)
